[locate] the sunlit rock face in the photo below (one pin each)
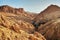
(11, 29)
(12, 23)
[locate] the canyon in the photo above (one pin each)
(18, 24)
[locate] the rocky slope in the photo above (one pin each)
(8, 34)
(12, 22)
(51, 30)
(48, 22)
(20, 12)
(11, 29)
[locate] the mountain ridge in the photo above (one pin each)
(48, 11)
(20, 21)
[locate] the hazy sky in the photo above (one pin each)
(30, 5)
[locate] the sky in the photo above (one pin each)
(30, 5)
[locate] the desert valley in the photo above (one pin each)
(18, 24)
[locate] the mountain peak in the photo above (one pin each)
(50, 9)
(3, 5)
(6, 6)
(53, 6)
(49, 12)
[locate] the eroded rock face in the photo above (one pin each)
(51, 30)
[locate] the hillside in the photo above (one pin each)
(11, 29)
(51, 12)
(48, 22)
(18, 24)
(20, 12)
(51, 29)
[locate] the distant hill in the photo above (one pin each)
(51, 12)
(22, 14)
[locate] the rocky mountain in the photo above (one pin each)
(48, 22)
(51, 12)
(18, 24)
(22, 14)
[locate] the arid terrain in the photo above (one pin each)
(18, 24)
